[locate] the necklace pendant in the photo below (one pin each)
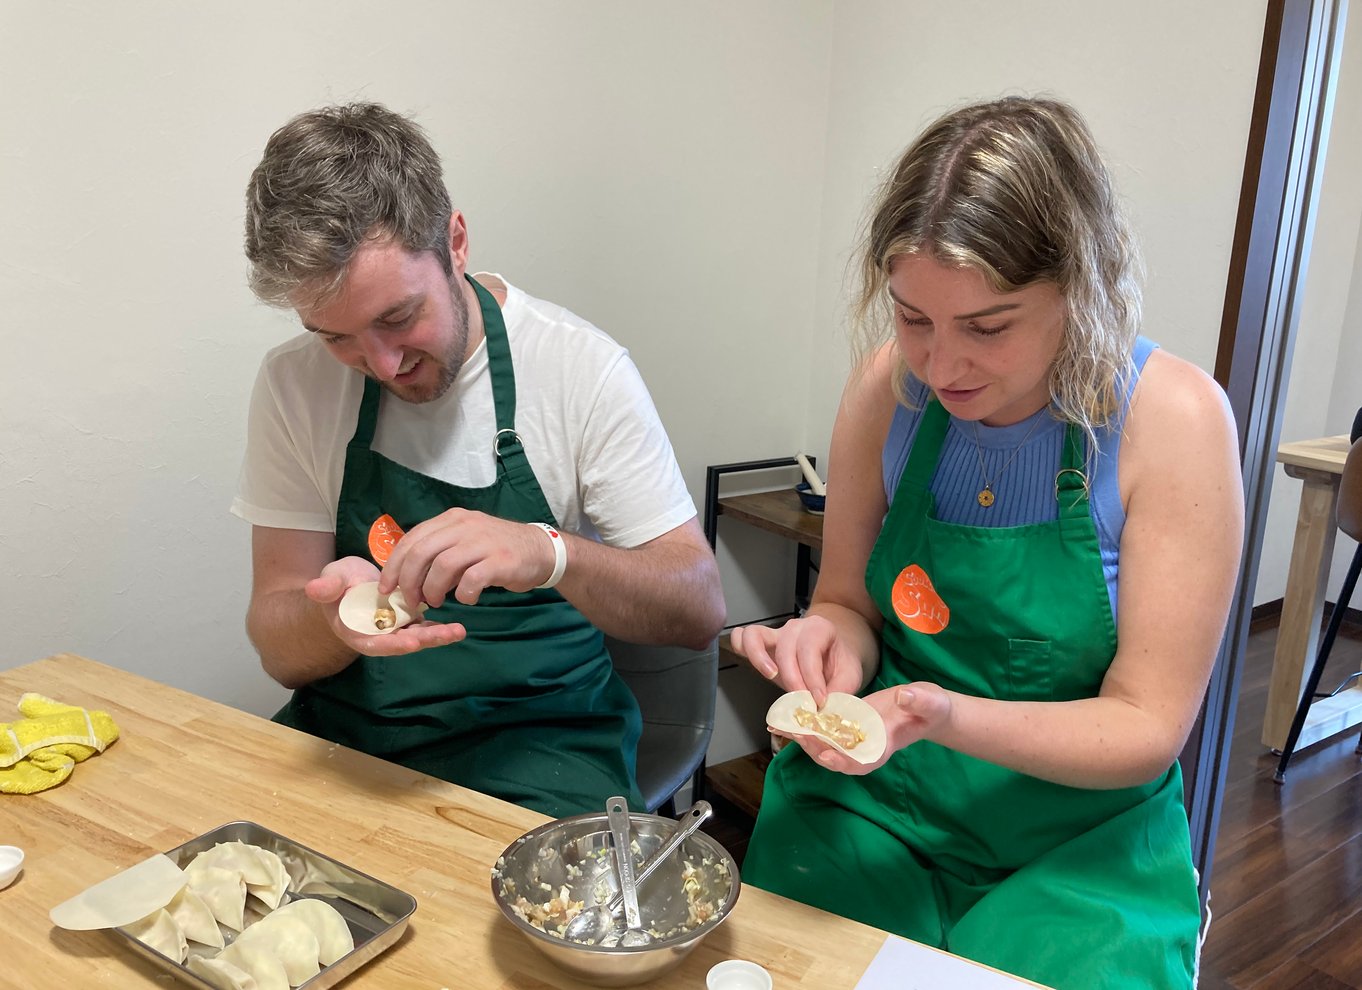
(985, 496)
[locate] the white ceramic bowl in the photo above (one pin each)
(11, 862)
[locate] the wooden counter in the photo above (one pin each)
(185, 765)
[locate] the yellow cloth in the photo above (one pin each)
(41, 749)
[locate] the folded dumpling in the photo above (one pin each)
(273, 892)
(159, 931)
(222, 974)
(222, 890)
(333, 934)
(195, 918)
(264, 967)
(289, 939)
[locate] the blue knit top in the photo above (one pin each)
(1022, 478)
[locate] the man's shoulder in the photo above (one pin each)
(302, 360)
(541, 323)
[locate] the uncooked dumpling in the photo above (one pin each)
(266, 969)
(222, 890)
(847, 723)
(333, 934)
(364, 610)
(273, 892)
(159, 931)
(287, 939)
(194, 918)
(221, 974)
(250, 861)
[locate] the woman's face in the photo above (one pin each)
(986, 355)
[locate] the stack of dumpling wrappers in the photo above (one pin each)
(241, 887)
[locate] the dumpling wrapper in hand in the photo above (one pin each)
(362, 602)
(781, 717)
(159, 931)
(334, 939)
(195, 918)
(223, 891)
(123, 898)
(221, 973)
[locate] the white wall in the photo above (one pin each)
(689, 176)
(653, 167)
(1324, 389)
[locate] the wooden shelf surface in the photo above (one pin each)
(740, 780)
(778, 512)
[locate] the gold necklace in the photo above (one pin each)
(986, 497)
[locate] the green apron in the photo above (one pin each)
(1076, 889)
(528, 707)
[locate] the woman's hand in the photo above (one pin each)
(802, 655)
(910, 711)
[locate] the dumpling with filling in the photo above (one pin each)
(159, 931)
(248, 860)
(195, 918)
(221, 973)
(333, 934)
(222, 890)
(847, 723)
(264, 967)
(289, 939)
(273, 892)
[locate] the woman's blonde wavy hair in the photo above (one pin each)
(1016, 190)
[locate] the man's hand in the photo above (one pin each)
(461, 552)
(340, 576)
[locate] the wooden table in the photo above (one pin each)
(1319, 464)
(185, 765)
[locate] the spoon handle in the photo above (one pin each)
(617, 814)
(686, 824)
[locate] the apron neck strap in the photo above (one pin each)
(931, 432)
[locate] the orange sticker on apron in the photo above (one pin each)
(916, 602)
(383, 536)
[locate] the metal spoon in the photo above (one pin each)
(617, 813)
(591, 924)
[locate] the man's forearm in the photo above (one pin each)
(294, 640)
(652, 594)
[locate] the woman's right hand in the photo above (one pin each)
(802, 655)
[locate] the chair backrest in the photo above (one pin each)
(676, 690)
(1350, 493)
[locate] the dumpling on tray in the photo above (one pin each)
(159, 931)
(221, 974)
(286, 937)
(222, 890)
(333, 934)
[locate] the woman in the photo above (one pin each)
(1032, 535)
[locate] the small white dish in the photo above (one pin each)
(738, 974)
(11, 862)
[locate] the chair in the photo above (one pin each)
(1350, 522)
(676, 690)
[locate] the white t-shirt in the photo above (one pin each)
(588, 424)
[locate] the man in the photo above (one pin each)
(512, 442)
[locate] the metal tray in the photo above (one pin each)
(376, 912)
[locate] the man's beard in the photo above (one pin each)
(450, 364)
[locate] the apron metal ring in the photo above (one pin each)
(1083, 479)
(496, 441)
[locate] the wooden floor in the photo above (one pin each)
(1286, 885)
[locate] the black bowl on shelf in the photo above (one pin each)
(812, 503)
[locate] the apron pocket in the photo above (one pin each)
(1030, 674)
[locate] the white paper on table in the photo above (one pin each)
(904, 965)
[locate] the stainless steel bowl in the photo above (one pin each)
(576, 853)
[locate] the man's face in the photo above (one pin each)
(398, 319)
